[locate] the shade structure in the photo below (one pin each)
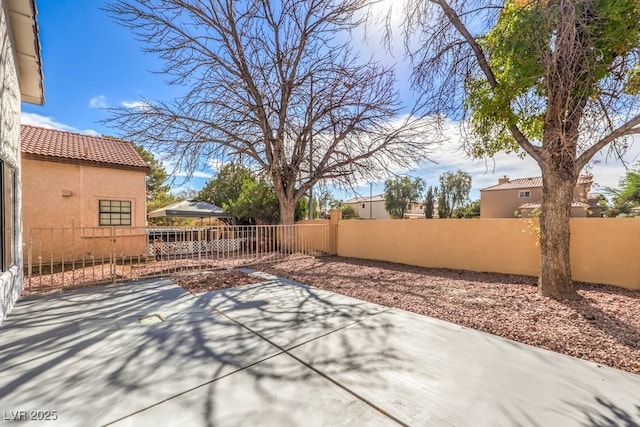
(189, 209)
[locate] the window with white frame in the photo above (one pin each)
(524, 194)
(115, 212)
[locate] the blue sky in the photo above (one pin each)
(91, 62)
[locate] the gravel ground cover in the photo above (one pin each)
(205, 282)
(603, 327)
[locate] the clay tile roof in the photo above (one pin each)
(536, 205)
(37, 142)
(533, 182)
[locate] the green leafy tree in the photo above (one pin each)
(555, 80)
(626, 196)
(453, 192)
(469, 210)
(302, 209)
(256, 200)
(258, 203)
(430, 200)
(399, 192)
(156, 177)
(336, 204)
(629, 191)
(325, 200)
(349, 212)
(226, 186)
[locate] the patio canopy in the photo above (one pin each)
(189, 209)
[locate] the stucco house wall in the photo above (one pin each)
(59, 194)
(504, 203)
(504, 199)
(373, 208)
(369, 210)
(65, 177)
(18, 45)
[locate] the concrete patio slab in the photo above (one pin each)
(85, 355)
(282, 353)
(425, 371)
(276, 392)
(289, 313)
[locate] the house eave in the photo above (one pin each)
(24, 27)
(83, 162)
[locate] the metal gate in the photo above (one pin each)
(62, 258)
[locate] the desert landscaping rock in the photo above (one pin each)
(604, 327)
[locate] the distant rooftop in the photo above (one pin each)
(537, 205)
(532, 182)
(57, 145)
(376, 198)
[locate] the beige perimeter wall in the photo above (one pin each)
(603, 250)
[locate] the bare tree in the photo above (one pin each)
(273, 84)
(557, 80)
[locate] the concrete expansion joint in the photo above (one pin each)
(287, 351)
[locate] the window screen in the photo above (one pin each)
(115, 212)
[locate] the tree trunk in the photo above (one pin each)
(287, 212)
(286, 234)
(555, 265)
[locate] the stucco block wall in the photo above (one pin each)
(606, 250)
(11, 280)
(316, 237)
(602, 250)
(452, 243)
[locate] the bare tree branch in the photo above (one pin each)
(629, 128)
(275, 83)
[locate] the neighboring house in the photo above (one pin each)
(373, 208)
(20, 80)
(86, 182)
(578, 209)
(593, 200)
(521, 197)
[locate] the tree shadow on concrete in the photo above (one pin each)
(604, 413)
(86, 355)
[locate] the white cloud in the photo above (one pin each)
(202, 174)
(50, 123)
(135, 104)
(450, 156)
(99, 101)
(170, 166)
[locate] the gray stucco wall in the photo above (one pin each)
(11, 280)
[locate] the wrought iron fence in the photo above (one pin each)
(60, 258)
